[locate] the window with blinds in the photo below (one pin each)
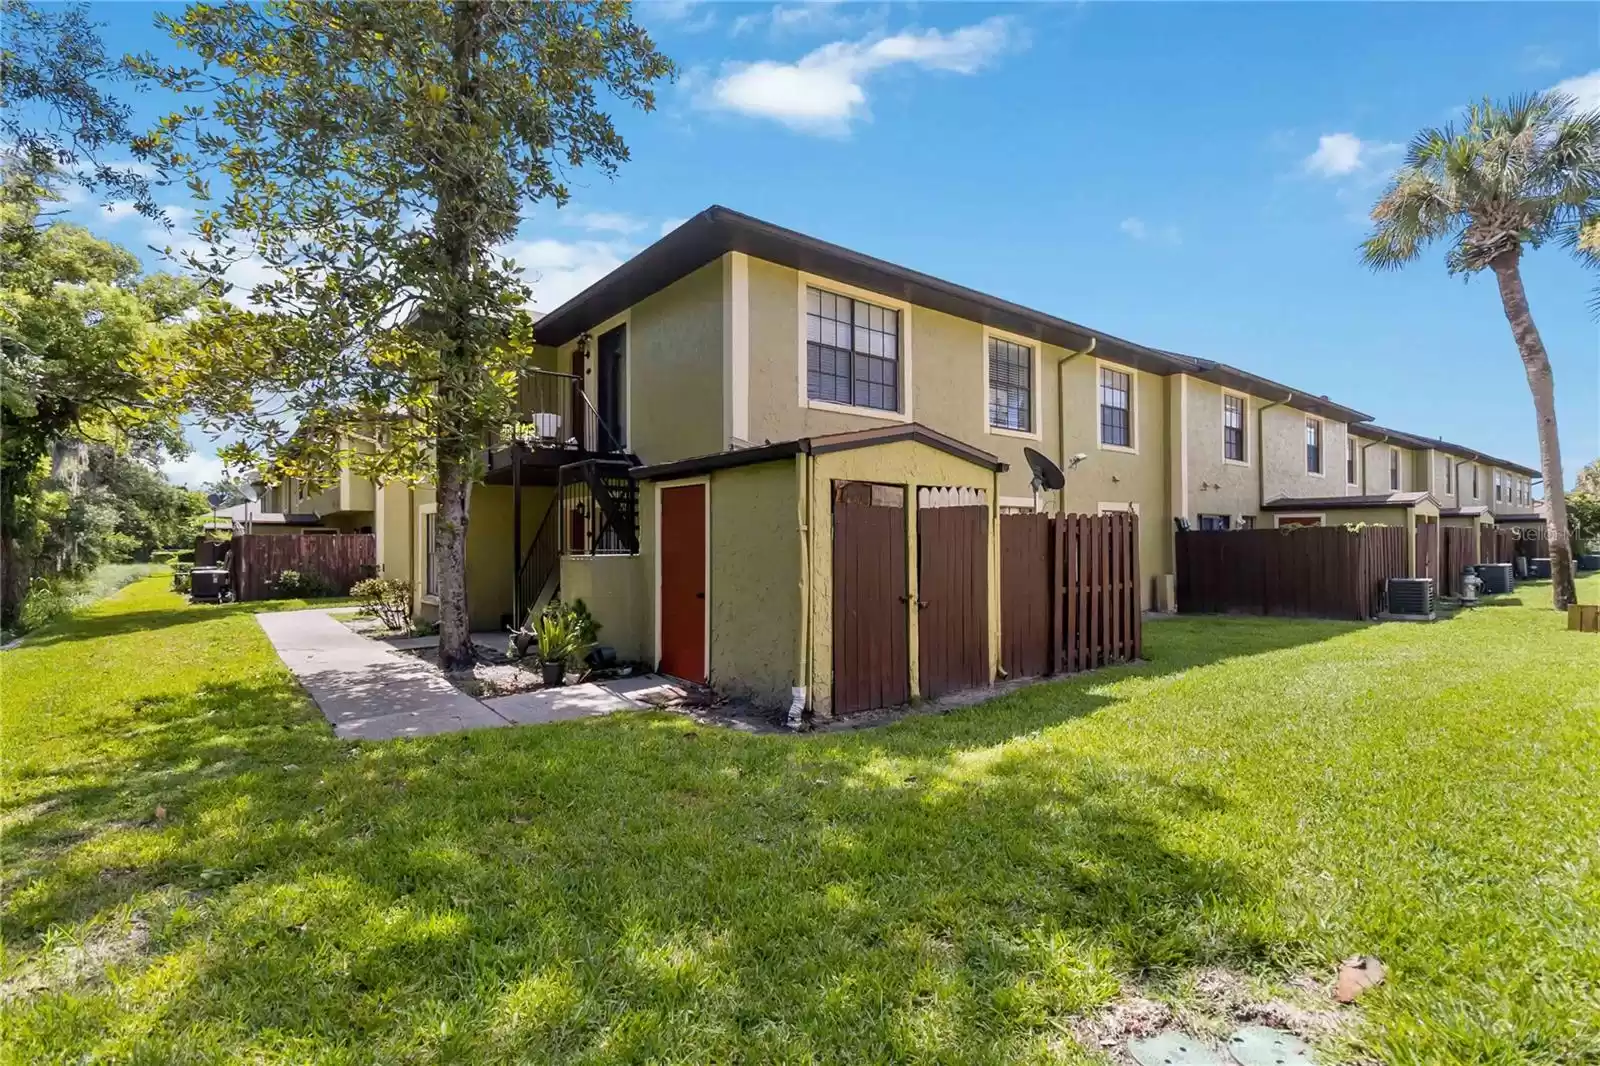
(852, 351)
(1010, 385)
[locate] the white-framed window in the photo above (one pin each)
(1350, 460)
(1449, 470)
(1314, 446)
(1129, 507)
(1474, 481)
(1116, 408)
(1394, 469)
(1235, 440)
(427, 564)
(1215, 522)
(1284, 521)
(1497, 486)
(1011, 367)
(853, 351)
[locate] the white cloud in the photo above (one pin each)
(118, 210)
(1585, 88)
(686, 16)
(817, 17)
(194, 471)
(825, 90)
(1140, 230)
(559, 270)
(609, 222)
(1341, 155)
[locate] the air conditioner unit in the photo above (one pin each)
(208, 583)
(1411, 597)
(1496, 578)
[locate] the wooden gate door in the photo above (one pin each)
(871, 634)
(682, 595)
(953, 598)
(1428, 550)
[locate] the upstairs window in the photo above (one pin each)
(1497, 486)
(1233, 442)
(852, 351)
(1474, 481)
(1350, 460)
(1449, 469)
(1116, 410)
(1010, 385)
(1313, 445)
(1394, 469)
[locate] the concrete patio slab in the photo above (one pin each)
(558, 704)
(646, 689)
(366, 690)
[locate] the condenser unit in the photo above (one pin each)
(208, 583)
(1411, 597)
(1496, 578)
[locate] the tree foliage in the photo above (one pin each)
(56, 114)
(368, 160)
(1589, 478)
(1516, 175)
(82, 350)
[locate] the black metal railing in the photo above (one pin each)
(539, 563)
(600, 508)
(557, 413)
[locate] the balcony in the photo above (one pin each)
(559, 425)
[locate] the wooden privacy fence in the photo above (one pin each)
(339, 560)
(1315, 571)
(1459, 548)
(1069, 592)
(1497, 546)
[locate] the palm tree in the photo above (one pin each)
(1519, 174)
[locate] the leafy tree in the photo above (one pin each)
(54, 114)
(1516, 176)
(1583, 517)
(1589, 478)
(80, 353)
(372, 157)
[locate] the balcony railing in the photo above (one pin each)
(600, 502)
(557, 414)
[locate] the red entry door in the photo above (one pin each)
(683, 582)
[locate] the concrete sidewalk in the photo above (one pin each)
(369, 691)
(366, 690)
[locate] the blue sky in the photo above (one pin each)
(1193, 177)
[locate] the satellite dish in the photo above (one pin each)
(216, 499)
(248, 491)
(1046, 474)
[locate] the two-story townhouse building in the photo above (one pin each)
(1245, 440)
(732, 334)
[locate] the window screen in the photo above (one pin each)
(1010, 385)
(852, 351)
(1116, 426)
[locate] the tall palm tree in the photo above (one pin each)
(1519, 174)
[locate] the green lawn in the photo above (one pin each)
(198, 871)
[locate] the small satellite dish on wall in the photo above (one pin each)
(249, 492)
(216, 499)
(1046, 474)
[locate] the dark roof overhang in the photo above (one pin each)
(1231, 377)
(1337, 503)
(820, 445)
(1412, 440)
(718, 230)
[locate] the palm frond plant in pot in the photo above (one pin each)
(561, 637)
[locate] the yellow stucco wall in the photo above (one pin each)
(904, 463)
(674, 392)
(754, 592)
(394, 522)
(1283, 446)
(1414, 466)
(1215, 484)
(616, 590)
(947, 360)
(1110, 478)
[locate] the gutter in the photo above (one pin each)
(1381, 440)
(1061, 409)
(1261, 447)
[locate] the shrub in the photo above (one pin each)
(47, 600)
(387, 597)
(293, 585)
(563, 632)
(181, 581)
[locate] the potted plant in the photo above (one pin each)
(561, 637)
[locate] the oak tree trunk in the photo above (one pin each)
(450, 562)
(13, 580)
(455, 222)
(1541, 382)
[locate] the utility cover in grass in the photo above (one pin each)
(1174, 1049)
(1257, 1045)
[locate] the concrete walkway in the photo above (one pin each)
(368, 691)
